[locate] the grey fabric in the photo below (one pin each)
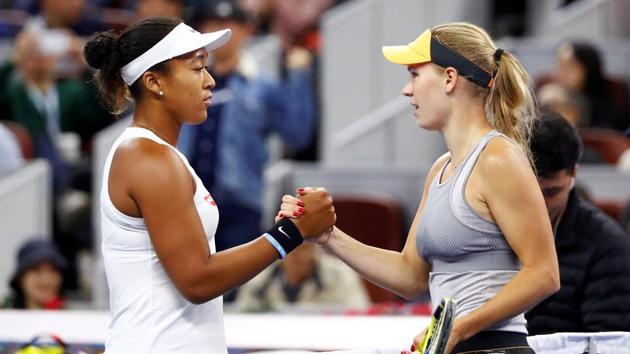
(470, 257)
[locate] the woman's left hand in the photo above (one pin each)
(454, 338)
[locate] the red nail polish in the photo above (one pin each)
(413, 348)
(301, 203)
(301, 210)
(296, 214)
(300, 190)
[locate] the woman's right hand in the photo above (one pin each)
(313, 212)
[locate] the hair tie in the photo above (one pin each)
(497, 59)
(497, 55)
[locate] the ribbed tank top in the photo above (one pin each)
(470, 257)
(148, 315)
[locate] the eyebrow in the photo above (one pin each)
(200, 56)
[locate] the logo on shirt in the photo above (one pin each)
(209, 199)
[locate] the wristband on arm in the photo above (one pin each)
(284, 236)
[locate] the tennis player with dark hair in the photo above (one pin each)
(481, 234)
(157, 219)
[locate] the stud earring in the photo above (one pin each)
(161, 93)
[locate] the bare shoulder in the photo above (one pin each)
(505, 170)
(502, 156)
(144, 162)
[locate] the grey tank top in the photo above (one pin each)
(470, 257)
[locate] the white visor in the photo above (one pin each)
(181, 40)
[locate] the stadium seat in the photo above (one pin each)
(609, 143)
(376, 221)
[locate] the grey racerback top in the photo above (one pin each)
(470, 257)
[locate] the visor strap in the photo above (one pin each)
(444, 56)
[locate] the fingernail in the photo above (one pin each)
(301, 203)
(413, 348)
(296, 214)
(301, 210)
(300, 190)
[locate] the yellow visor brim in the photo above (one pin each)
(416, 52)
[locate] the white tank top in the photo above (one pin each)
(148, 315)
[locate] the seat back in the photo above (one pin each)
(376, 221)
(609, 143)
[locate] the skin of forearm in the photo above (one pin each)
(387, 269)
(230, 269)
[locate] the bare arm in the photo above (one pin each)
(404, 273)
(515, 201)
(158, 182)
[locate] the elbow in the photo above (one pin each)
(197, 295)
(552, 283)
(194, 297)
(555, 283)
(412, 291)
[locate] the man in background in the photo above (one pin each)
(593, 250)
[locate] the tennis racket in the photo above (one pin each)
(435, 340)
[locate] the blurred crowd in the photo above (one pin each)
(50, 109)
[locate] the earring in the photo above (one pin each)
(161, 93)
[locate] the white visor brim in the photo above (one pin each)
(181, 40)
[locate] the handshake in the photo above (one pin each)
(312, 212)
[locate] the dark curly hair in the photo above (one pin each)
(109, 51)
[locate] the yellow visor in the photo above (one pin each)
(427, 48)
(416, 52)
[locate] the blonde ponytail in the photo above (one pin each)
(510, 103)
(510, 106)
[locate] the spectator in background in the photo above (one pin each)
(572, 107)
(36, 283)
(228, 150)
(568, 104)
(307, 276)
(579, 69)
(72, 15)
(295, 22)
(593, 250)
(155, 8)
(61, 115)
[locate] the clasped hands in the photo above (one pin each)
(312, 212)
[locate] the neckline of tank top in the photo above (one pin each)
(441, 183)
(154, 134)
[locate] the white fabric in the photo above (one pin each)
(577, 343)
(148, 315)
(181, 40)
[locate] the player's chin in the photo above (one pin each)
(198, 118)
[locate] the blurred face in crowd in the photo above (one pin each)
(555, 190)
(240, 33)
(41, 284)
(154, 8)
(61, 13)
(36, 66)
(557, 98)
(570, 73)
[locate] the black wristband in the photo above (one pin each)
(286, 234)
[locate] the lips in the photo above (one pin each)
(207, 100)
